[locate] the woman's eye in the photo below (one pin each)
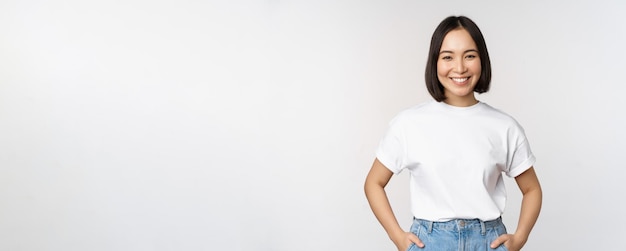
(471, 56)
(446, 58)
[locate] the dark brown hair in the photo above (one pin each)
(451, 23)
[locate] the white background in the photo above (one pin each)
(250, 125)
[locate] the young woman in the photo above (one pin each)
(456, 149)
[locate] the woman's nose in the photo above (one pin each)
(460, 66)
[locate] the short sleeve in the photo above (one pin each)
(520, 157)
(391, 149)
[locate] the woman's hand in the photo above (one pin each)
(510, 241)
(404, 240)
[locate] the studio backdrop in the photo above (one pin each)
(251, 125)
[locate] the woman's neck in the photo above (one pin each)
(461, 102)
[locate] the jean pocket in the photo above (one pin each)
(411, 247)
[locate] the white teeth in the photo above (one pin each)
(459, 79)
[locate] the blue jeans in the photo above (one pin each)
(460, 234)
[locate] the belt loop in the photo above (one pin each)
(482, 227)
(430, 227)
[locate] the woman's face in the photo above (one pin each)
(458, 67)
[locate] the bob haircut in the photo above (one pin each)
(451, 23)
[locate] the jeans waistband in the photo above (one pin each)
(460, 224)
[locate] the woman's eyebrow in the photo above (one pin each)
(470, 50)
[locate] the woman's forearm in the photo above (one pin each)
(531, 203)
(379, 203)
(375, 183)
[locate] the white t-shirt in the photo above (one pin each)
(456, 157)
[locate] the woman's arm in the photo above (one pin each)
(375, 183)
(531, 205)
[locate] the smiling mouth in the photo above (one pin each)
(459, 80)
